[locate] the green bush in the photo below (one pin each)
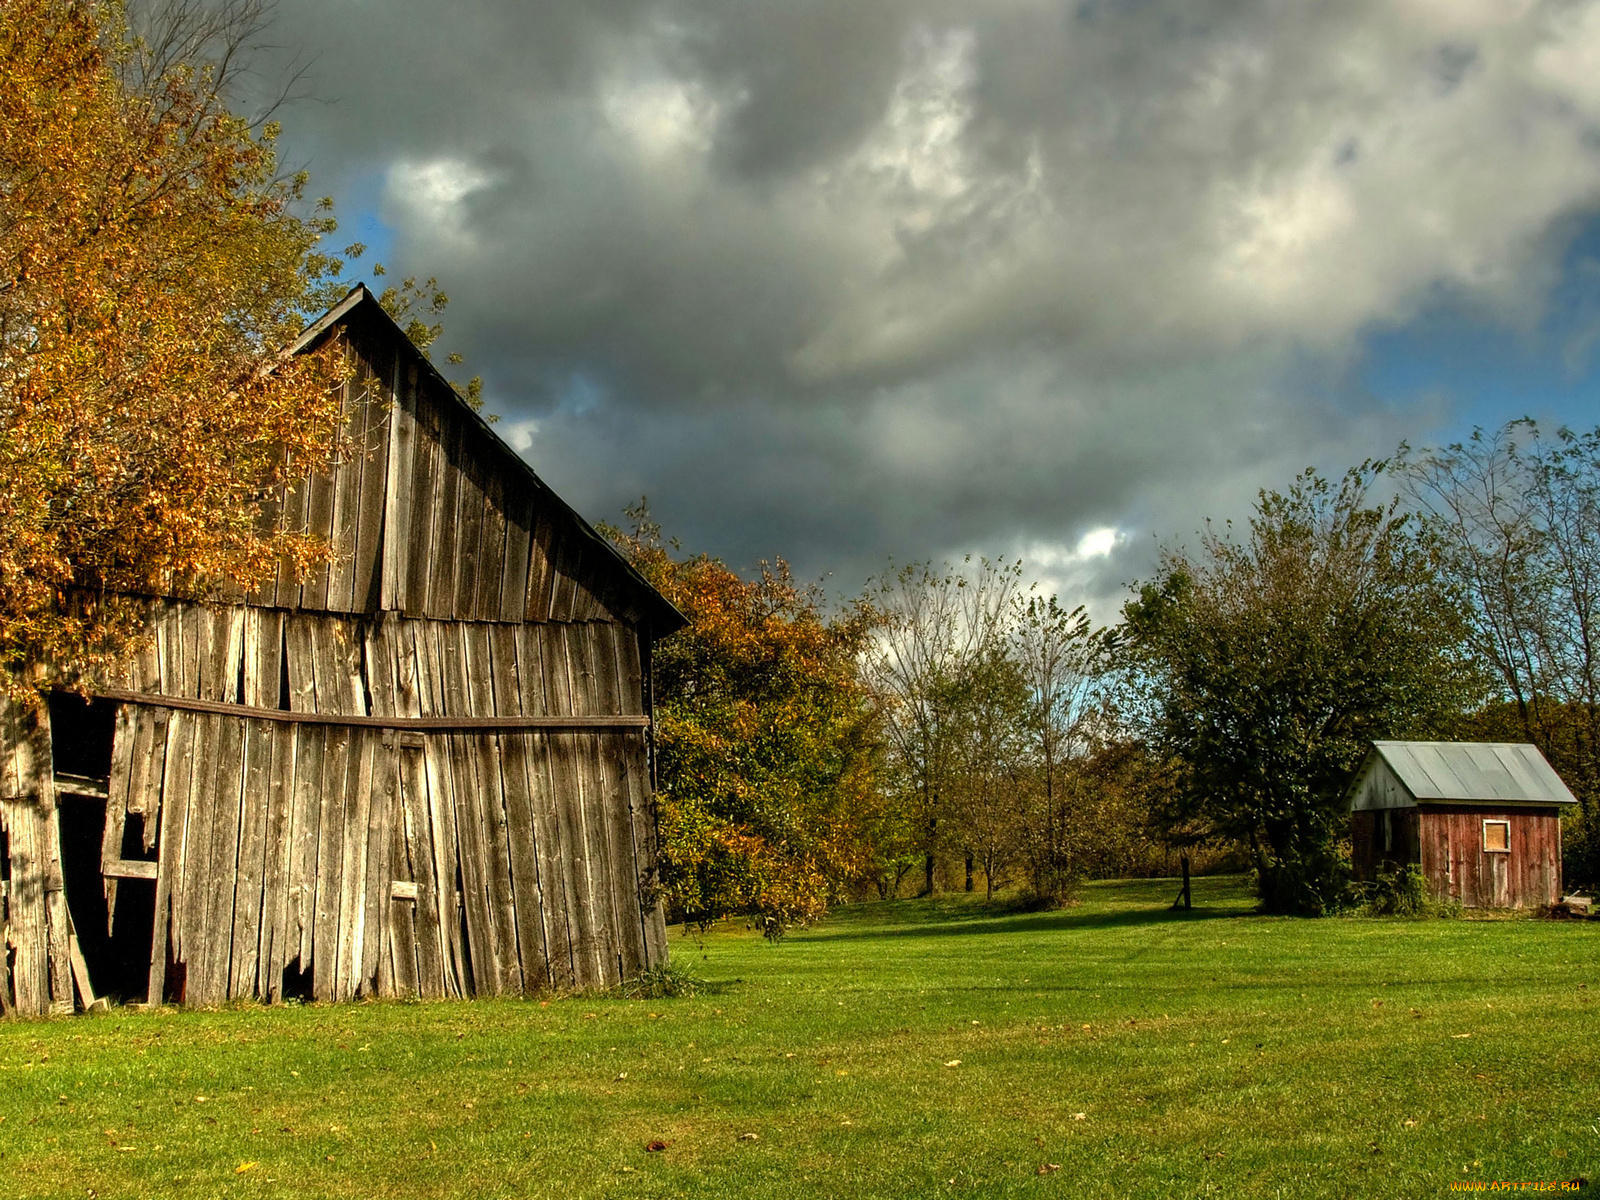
(1402, 891)
(664, 981)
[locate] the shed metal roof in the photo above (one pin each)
(1475, 772)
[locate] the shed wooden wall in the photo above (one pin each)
(1367, 851)
(531, 853)
(1456, 865)
(430, 514)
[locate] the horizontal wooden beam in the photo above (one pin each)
(129, 868)
(82, 785)
(421, 724)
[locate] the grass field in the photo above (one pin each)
(909, 1049)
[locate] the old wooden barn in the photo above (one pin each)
(424, 769)
(1480, 820)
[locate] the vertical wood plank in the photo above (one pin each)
(527, 898)
(557, 889)
(425, 501)
(491, 547)
(445, 559)
(541, 564)
(221, 875)
(621, 853)
(397, 483)
(320, 491)
(374, 504)
(300, 920)
(470, 513)
(327, 875)
(441, 814)
(567, 786)
(294, 517)
(491, 807)
(373, 920)
(514, 569)
(347, 484)
(350, 938)
(469, 825)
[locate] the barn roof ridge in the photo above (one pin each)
(1468, 772)
(666, 617)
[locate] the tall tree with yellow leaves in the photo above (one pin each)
(152, 264)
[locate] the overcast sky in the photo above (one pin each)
(841, 280)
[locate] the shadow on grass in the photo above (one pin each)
(1060, 921)
(1121, 904)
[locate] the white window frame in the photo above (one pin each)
(1488, 849)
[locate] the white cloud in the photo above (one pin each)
(431, 194)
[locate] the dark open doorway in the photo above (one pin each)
(114, 919)
(116, 946)
(80, 735)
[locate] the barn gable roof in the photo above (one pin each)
(1494, 773)
(360, 308)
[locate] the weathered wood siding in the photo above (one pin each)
(34, 913)
(386, 863)
(430, 514)
(1371, 850)
(1457, 866)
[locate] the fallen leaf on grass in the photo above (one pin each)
(1047, 1168)
(954, 1062)
(247, 1166)
(1080, 1116)
(656, 1147)
(1460, 1035)
(749, 1137)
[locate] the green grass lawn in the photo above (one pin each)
(909, 1049)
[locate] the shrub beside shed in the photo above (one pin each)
(1481, 821)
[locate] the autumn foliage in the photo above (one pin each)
(152, 266)
(765, 741)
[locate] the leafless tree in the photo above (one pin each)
(1514, 517)
(937, 625)
(1059, 657)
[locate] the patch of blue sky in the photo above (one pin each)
(1474, 371)
(359, 210)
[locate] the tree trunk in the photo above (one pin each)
(969, 870)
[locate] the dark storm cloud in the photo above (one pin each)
(840, 279)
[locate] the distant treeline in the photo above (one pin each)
(953, 729)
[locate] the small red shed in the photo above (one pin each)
(1480, 820)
